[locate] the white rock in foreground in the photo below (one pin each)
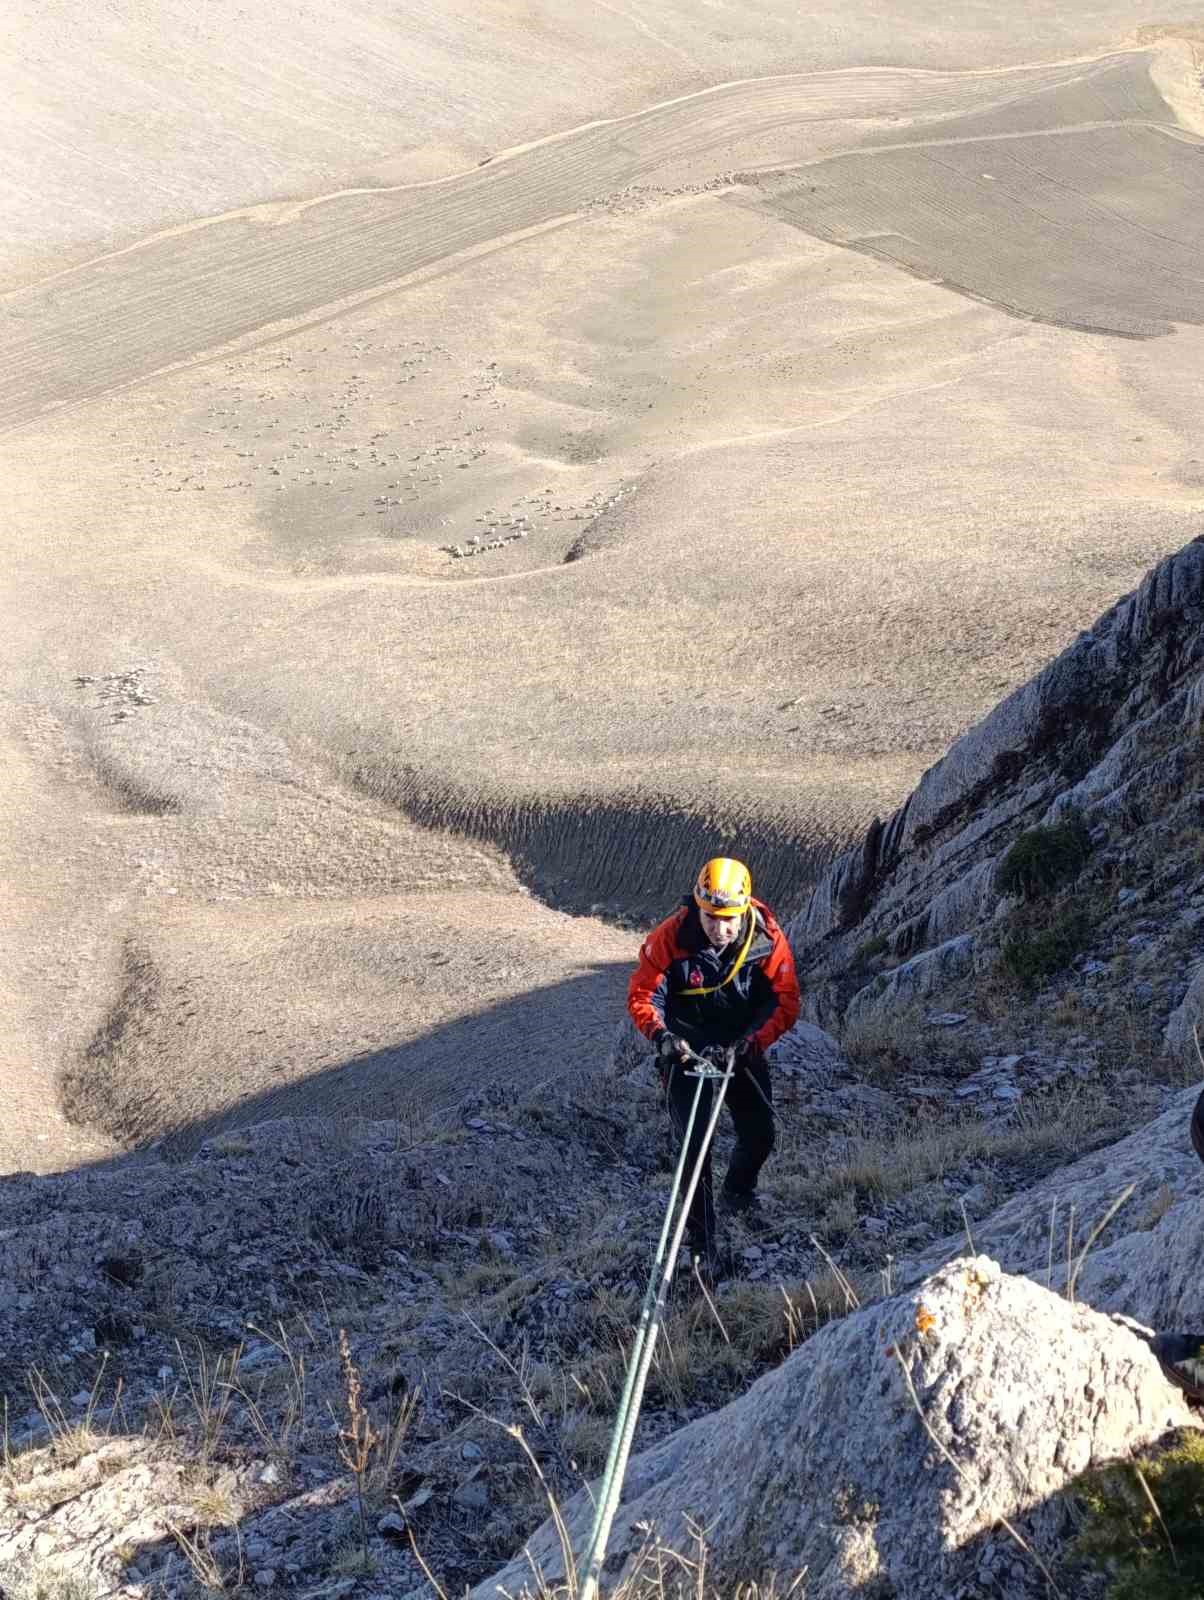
(825, 1464)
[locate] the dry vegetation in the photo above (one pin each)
(511, 1359)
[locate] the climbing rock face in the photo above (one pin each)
(1091, 730)
(886, 1450)
(914, 980)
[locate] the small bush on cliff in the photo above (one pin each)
(1146, 1523)
(868, 949)
(1030, 954)
(1042, 859)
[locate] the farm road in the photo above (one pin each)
(122, 318)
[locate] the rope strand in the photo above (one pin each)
(651, 1315)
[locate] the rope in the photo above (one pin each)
(651, 1314)
(768, 1103)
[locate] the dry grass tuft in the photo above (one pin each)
(214, 1505)
(352, 1559)
(211, 1577)
(70, 1440)
(38, 1580)
(707, 1349)
(883, 1040)
(878, 1167)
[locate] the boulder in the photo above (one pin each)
(883, 1453)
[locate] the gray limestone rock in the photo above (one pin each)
(1089, 727)
(472, 1495)
(1187, 1019)
(887, 1448)
(912, 981)
(811, 1053)
(967, 901)
(1146, 1262)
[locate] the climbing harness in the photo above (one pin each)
(651, 1315)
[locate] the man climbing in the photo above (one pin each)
(718, 973)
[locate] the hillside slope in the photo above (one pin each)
(171, 1332)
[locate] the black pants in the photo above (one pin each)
(752, 1120)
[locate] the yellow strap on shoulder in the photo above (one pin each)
(736, 965)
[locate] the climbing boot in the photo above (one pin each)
(745, 1206)
(712, 1262)
(1181, 1357)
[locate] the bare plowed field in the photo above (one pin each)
(124, 317)
(1100, 229)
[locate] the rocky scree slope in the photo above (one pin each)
(176, 1401)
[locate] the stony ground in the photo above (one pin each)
(266, 1356)
(177, 1401)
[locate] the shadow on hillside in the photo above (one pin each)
(507, 1050)
(511, 1049)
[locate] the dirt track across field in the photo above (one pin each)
(122, 318)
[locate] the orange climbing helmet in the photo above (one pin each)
(724, 888)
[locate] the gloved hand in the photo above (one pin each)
(747, 1050)
(671, 1050)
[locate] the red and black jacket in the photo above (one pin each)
(760, 998)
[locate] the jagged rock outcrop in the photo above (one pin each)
(1105, 728)
(826, 1463)
(914, 980)
(810, 1053)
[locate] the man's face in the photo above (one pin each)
(719, 930)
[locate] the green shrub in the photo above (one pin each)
(1044, 858)
(1150, 1555)
(869, 948)
(1031, 954)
